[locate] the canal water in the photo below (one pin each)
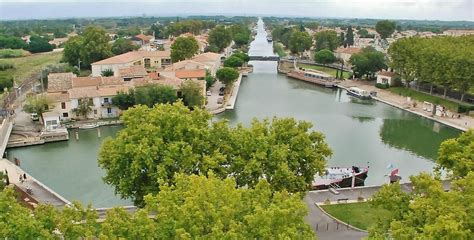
(360, 133)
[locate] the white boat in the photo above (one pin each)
(358, 93)
(88, 126)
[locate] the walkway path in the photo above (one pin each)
(6, 127)
(234, 93)
(41, 193)
(464, 123)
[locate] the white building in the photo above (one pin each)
(384, 77)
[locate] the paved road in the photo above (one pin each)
(212, 100)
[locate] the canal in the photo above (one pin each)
(360, 133)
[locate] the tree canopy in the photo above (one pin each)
(192, 94)
(194, 207)
(227, 75)
(92, 46)
(159, 142)
(440, 61)
(123, 45)
(220, 37)
(428, 211)
(385, 28)
(233, 61)
(39, 44)
(326, 39)
(367, 62)
(324, 56)
(300, 42)
(37, 104)
(146, 95)
(184, 48)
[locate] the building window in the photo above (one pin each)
(109, 110)
(63, 105)
(106, 100)
(95, 111)
(65, 115)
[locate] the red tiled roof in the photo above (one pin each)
(183, 74)
(85, 81)
(386, 73)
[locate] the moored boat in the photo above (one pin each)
(358, 93)
(338, 177)
(313, 76)
(269, 39)
(88, 126)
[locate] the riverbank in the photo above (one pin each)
(463, 123)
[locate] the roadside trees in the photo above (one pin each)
(326, 39)
(227, 75)
(84, 107)
(149, 151)
(385, 28)
(324, 56)
(146, 95)
(184, 48)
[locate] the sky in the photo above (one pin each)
(449, 10)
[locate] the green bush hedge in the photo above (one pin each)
(382, 85)
(464, 108)
(13, 53)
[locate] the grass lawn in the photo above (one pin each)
(278, 48)
(420, 96)
(25, 66)
(327, 70)
(361, 215)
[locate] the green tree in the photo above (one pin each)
(240, 34)
(107, 73)
(92, 46)
(457, 155)
(227, 75)
(326, 39)
(11, 42)
(324, 56)
(385, 28)
(192, 94)
(284, 151)
(37, 104)
(197, 206)
(184, 48)
(220, 37)
(342, 39)
(242, 56)
(300, 42)
(312, 25)
(145, 95)
(233, 61)
(367, 62)
(38, 44)
(349, 36)
(123, 45)
(84, 107)
(124, 100)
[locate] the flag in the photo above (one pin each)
(394, 172)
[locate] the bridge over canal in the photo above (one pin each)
(264, 58)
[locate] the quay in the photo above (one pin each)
(235, 91)
(39, 192)
(329, 227)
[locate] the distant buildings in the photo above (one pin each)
(346, 53)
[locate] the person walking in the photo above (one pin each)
(24, 176)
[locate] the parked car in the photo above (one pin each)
(221, 93)
(209, 93)
(221, 89)
(220, 100)
(34, 117)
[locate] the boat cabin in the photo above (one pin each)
(318, 75)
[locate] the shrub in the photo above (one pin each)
(13, 53)
(382, 85)
(5, 66)
(360, 199)
(5, 83)
(464, 108)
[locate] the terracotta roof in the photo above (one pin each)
(386, 73)
(111, 81)
(171, 81)
(199, 73)
(143, 37)
(83, 92)
(133, 56)
(58, 97)
(349, 50)
(133, 71)
(185, 64)
(85, 81)
(60, 82)
(154, 75)
(207, 57)
(112, 91)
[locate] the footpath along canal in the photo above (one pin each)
(360, 133)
